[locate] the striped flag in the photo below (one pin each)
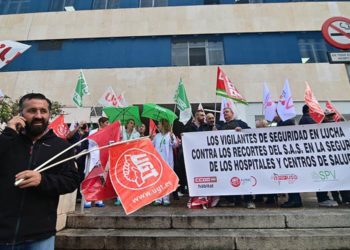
(316, 112)
(225, 88)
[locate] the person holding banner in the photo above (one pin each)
(93, 158)
(234, 124)
(29, 213)
(322, 197)
(128, 133)
(271, 198)
(294, 199)
(80, 131)
(198, 124)
(212, 122)
(165, 142)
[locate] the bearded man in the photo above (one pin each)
(29, 210)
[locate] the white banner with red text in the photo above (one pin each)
(301, 158)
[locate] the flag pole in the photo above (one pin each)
(52, 158)
(89, 151)
(215, 106)
(78, 155)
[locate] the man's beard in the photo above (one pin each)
(35, 130)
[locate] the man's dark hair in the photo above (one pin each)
(31, 96)
(305, 109)
(102, 120)
(199, 111)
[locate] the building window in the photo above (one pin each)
(14, 6)
(197, 52)
(50, 45)
(58, 5)
(312, 50)
(105, 4)
(211, 2)
(153, 3)
(249, 1)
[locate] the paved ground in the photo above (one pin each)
(180, 207)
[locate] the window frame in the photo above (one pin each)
(71, 3)
(153, 4)
(106, 5)
(19, 6)
(191, 44)
(310, 46)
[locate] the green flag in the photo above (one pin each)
(182, 103)
(80, 90)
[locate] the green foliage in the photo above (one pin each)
(56, 109)
(5, 109)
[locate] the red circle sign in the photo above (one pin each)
(336, 31)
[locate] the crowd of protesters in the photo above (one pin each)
(27, 141)
(169, 147)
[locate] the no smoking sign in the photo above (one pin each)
(336, 31)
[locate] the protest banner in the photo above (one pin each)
(304, 158)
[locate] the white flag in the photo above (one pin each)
(9, 50)
(225, 103)
(285, 106)
(200, 107)
(2, 96)
(121, 100)
(109, 98)
(268, 105)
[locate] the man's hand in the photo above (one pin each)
(30, 178)
(17, 123)
(238, 129)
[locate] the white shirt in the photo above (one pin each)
(93, 158)
(164, 146)
(126, 137)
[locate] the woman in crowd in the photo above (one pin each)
(128, 133)
(165, 142)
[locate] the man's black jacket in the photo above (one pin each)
(233, 124)
(306, 119)
(30, 213)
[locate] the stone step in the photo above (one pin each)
(322, 238)
(215, 218)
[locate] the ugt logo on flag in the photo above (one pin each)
(139, 174)
(138, 170)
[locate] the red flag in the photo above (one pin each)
(152, 128)
(105, 136)
(96, 186)
(139, 174)
(337, 117)
(225, 88)
(59, 127)
(316, 112)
